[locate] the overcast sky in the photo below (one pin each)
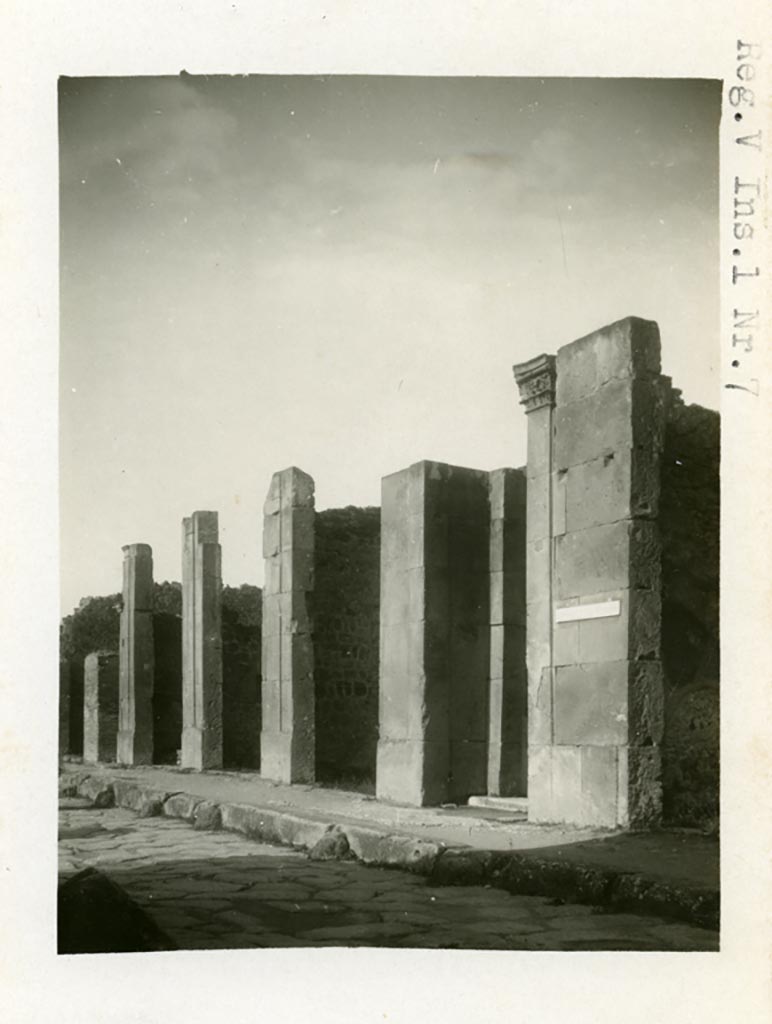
(338, 274)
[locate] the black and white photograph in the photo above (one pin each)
(386, 553)
(391, 617)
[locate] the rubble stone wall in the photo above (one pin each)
(346, 622)
(689, 527)
(167, 688)
(241, 711)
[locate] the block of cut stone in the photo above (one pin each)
(287, 739)
(623, 350)
(435, 633)
(100, 707)
(202, 740)
(596, 419)
(136, 658)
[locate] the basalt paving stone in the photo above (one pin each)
(678, 936)
(237, 940)
(421, 923)
(220, 890)
(407, 899)
(203, 909)
(460, 915)
(509, 912)
(370, 932)
(505, 930)
(290, 907)
(296, 921)
(352, 893)
(262, 893)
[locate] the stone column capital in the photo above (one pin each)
(536, 382)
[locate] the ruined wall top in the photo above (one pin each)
(203, 526)
(627, 348)
(137, 551)
(290, 488)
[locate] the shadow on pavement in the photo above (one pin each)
(94, 915)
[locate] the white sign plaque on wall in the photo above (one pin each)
(578, 612)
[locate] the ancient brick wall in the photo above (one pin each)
(346, 626)
(689, 528)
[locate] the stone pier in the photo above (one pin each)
(135, 726)
(595, 432)
(435, 635)
(508, 695)
(100, 707)
(287, 741)
(201, 643)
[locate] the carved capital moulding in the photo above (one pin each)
(536, 382)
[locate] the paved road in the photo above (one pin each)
(218, 890)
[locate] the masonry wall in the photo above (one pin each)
(595, 684)
(64, 707)
(689, 528)
(241, 682)
(508, 684)
(167, 688)
(76, 707)
(346, 626)
(241, 710)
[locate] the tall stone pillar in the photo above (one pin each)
(201, 643)
(508, 697)
(599, 764)
(64, 707)
(135, 726)
(536, 382)
(435, 635)
(100, 707)
(287, 740)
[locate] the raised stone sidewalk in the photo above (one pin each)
(673, 874)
